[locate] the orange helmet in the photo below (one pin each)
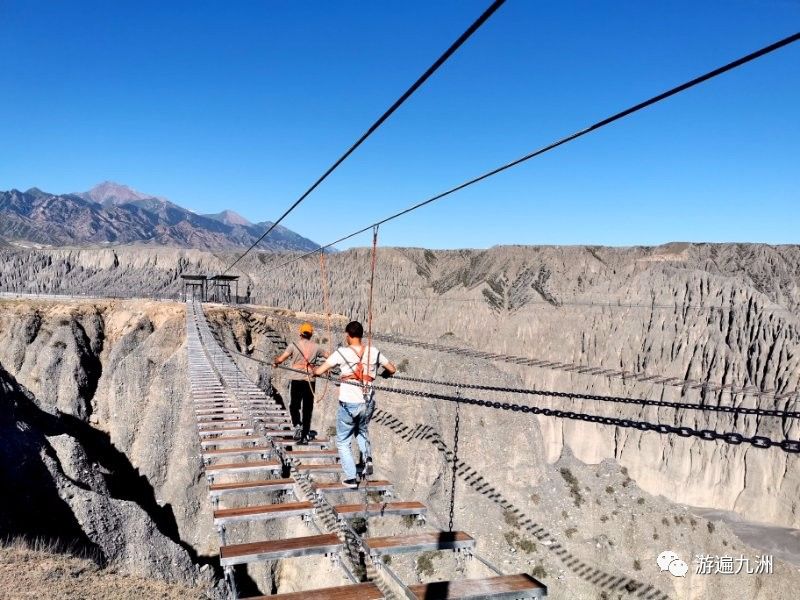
(306, 328)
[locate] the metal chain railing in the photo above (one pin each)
(573, 368)
(761, 412)
(734, 438)
(455, 463)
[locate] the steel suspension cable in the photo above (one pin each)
(729, 437)
(564, 140)
(381, 120)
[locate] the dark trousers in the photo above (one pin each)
(301, 397)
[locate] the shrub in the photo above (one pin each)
(570, 532)
(526, 545)
(359, 525)
(609, 489)
(640, 501)
(402, 366)
(539, 572)
(574, 486)
(711, 527)
(637, 565)
(511, 518)
(425, 563)
(409, 520)
(665, 521)
(535, 498)
(520, 543)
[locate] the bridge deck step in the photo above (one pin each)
(238, 554)
(312, 453)
(420, 542)
(203, 420)
(338, 486)
(248, 451)
(238, 440)
(380, 509)
(206, 431)
(244, 467)
(316, 442)
(262, 512)
(319, 468)
(240, 487)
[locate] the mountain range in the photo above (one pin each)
(111, 213)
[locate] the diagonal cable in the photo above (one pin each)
(406, 95)
(564, 140)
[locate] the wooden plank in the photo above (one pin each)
(220, 419)
(240, 487)
(314, 442)
(206, 431)
(380, 509)
(338, 486)
(312, 453)
(262, 512)
(319, 468)
(255, 465)
(216, 410)
(503, 587)
(358, 591)
(421, 542)
(271, 420)
(247, 451)
(278, 432)
(222, 426)
(232, 439)
(238, 554)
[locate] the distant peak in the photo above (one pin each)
(110, 192)
(230, 217)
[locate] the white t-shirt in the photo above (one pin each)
(346, 359)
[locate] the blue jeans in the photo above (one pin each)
(353, 420)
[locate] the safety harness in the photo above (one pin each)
(357, 369)
(305, 365)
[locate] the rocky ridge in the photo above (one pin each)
(115, 214)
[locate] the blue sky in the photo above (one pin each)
(242, 105)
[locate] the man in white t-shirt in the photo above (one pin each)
(359, 367)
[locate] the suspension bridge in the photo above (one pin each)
(256, 472)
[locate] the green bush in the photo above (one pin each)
(574, 486)
(425, 563)
(539, 572)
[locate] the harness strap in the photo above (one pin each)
(363, 377)
(298, 365)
